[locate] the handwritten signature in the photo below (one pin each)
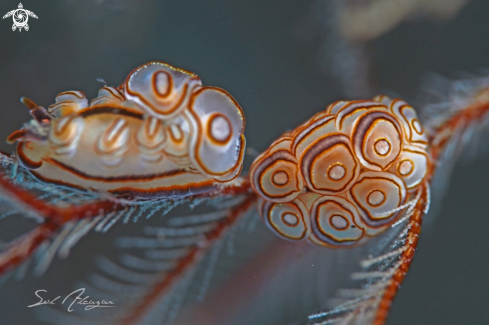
(77, 298)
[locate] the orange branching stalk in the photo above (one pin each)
(193, 256)
(451, 129)
(406, 258)
(459, 121)
(55, 217)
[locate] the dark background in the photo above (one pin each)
(274, 57)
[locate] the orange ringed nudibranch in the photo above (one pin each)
(344, 175)
(160, 134)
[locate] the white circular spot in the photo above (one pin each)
(405, 167)
(280, 178)
(382, 147)
(338, 222)
(417, 126)
(290, 219)
(336, 172)
(220, 129)
(376, 198)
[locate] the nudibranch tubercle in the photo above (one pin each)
(160, 134)
(343, 175)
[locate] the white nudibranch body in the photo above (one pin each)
(160, 134)
(345, 174)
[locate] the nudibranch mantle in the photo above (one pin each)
(345, 174)
(160, 134)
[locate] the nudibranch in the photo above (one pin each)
(161, 133)
(345, 174)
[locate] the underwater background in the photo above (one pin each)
(283, 61)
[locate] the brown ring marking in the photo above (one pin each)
(271, 166)
(167, 112)
(307, 160)
(209, 131)
(388, 143)
(334, 227)
(265, 163)
(376, 205)
(333, 165)
(280, 171)
(401, 109)
(198, 132)
(330, 106)
(267, 207)
(398, 100)
(364, 124)
(382, 222)
(238, 167)
(364, 146)
(324, 237)
(286, 222)
(414, 127)
(316, 124)
(126, 85)
(190, 74)
(352, 110)
(411, 125)
(399, 166)
(155, 88)
(311, 172)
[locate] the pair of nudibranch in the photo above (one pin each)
(346, 173)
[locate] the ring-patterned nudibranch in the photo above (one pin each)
(345, 174)
(160, 133)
